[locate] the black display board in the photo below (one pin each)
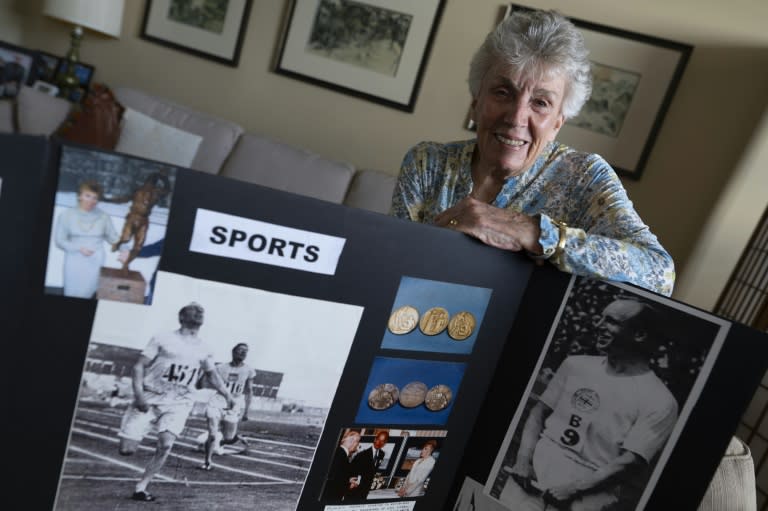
(383, 264)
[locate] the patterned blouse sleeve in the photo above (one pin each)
(408, 194)
(607, 239)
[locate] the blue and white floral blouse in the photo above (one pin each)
(605, 237)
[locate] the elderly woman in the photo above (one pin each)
(413, 486)
(514, 187)
(81, 232)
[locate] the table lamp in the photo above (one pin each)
(101, 16)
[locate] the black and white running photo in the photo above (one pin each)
(213, 397)
(617, 378)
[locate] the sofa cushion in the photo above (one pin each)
(277, 165)
(38, 113)
(372, 190)
(141, 135)
(219, 135)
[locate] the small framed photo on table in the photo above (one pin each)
(84, 75)
(17, 68)
(46, 66)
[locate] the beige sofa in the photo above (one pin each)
(226, 149)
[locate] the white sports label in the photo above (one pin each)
(236, 237)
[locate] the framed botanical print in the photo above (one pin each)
(634, 77)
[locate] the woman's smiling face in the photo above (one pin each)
(516, 116)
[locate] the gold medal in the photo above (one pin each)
(403, 320)
(434, 321)
(461, 326)
(438, 398)
(383, 396)
(413, 394)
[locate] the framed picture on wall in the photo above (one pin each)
(17, 68)
(212, 29)
(634, 77)
(372, 49)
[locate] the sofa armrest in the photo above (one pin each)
(733, 486)
(274, 164)
(219, 136)
(371, 190)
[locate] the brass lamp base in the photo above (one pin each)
(66, 79)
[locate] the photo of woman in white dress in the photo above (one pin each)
(420, 471)
(81, 232)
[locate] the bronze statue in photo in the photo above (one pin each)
(154, 189)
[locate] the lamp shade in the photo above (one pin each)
(104, 16)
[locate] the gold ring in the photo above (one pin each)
(453, 222)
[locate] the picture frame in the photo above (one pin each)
(635, 77)
(84, 74)
(210, 29)
(47, 66)
(375, 50)
(17, 68)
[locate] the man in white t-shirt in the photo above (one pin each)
(164, 381)
(599, 419)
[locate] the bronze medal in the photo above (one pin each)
(403, 320)
(434, 321)
(383, 396)
(413, 394)
(461, 325)
(438, 398)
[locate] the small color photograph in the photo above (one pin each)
(408, 391)
(433, 316)
(382, 463)
(109, 222)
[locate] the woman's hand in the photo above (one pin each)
(86, 251)
(500, 228)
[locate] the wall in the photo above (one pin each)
(718, 105)
(11, 22)
(729, 227)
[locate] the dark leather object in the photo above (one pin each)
(96, 122)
